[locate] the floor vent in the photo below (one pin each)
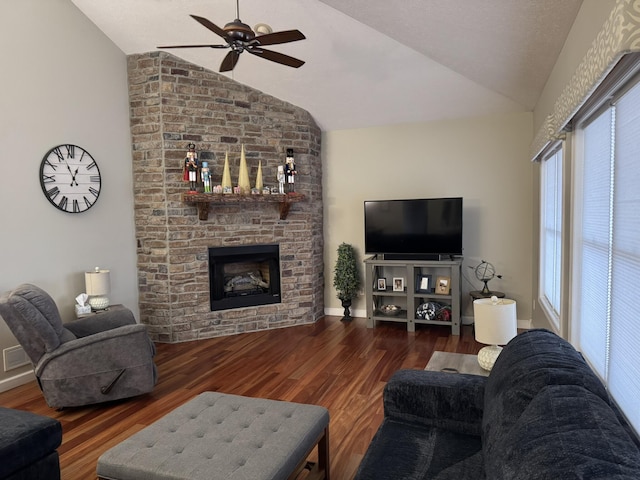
(14, 357)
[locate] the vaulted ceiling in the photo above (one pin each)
(368, 62)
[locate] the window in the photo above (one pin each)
(551, 234)
(607, 248)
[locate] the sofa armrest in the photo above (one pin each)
(444, 400)
(98, 322)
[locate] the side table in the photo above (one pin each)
(477, 294)
(117, 307)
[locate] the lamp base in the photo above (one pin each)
(487, 356)
(99, 303)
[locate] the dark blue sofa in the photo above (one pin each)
(28, 444)
(541, 414)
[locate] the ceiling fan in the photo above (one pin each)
(239, 37)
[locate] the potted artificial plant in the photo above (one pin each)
(346, 279)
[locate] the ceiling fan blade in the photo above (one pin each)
(229, 61)
(211, 26)
(285, 36)
(194, 46)
(276, 57)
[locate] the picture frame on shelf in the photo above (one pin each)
(423, 283)
(382, 284)
(398, 284)
(443, 285)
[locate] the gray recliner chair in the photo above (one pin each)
(103, 357)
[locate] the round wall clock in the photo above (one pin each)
(70, 178)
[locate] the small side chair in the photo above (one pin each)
(103, 357)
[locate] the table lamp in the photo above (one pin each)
(495, 324)
(97, 284)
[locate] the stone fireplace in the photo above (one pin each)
(174, 103)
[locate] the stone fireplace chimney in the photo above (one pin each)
(174, 103)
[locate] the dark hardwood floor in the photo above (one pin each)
(342, 366)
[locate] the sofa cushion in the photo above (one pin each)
(26, 438)
(415, 452)
(565, 432)
(530, 362)
(546, 411)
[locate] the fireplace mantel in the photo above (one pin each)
(204, 200)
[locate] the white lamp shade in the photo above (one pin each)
(97, 282)
(495, 321)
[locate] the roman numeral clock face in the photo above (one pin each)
(70, 178)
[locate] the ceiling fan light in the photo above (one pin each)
(262, 29)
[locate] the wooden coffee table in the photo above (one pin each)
(455, 363)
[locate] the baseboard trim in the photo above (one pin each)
(17, 380)
(338, 312)
(524, 324)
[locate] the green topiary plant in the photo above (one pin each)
(346, 279)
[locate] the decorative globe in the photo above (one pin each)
(485, 272)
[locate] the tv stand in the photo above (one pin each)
(416, 290)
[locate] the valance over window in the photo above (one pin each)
(619, 36)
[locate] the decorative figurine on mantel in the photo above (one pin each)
(226, 176)
(257, 190)
(205, 175)
(281, 179)
(243, 175)
(290, 171)
(190, 172)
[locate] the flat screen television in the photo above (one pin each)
(410, 229)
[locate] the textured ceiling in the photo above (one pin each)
(369, 62)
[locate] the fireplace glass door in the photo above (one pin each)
(244, 276)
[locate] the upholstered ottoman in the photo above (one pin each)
(217, 436)
(28, 444)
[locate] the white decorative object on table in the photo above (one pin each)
(495, 324)
(98, 287)
(82, 306)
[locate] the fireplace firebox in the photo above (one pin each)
(244, 276)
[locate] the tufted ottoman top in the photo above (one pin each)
(217, 436)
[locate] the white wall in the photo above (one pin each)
(63, 81)
(483, 160)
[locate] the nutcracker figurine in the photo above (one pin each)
(190, 173)
(281, 178)
(290, 171)
(205, 176)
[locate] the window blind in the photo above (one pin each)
(608, 251)
(624, 353)
(551, 238)
(596, 230)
